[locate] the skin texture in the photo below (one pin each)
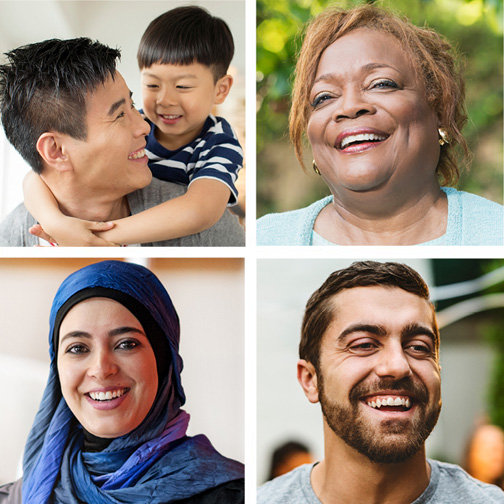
(379, 344)
(88, 179)
(99, 168)
(103, 345)
(365, 82)
(185, 93)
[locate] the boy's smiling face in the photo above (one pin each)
(177, 99)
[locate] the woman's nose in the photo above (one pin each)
(351, 105)
(102, 365)
(392, 362)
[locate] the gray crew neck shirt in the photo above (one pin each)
(227, 232)
(449, 484)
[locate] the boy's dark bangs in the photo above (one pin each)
(172, 55)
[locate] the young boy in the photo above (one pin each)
(183, 57)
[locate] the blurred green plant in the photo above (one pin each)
(474, 26)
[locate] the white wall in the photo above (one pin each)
(209, 297)
(118, 23)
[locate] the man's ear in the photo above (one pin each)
(222, 88)
(52, 148)
(307, 378)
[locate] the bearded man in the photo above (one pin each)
(369, 353)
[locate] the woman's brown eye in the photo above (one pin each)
(321, 98)
(385, 84)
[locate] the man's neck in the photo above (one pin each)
(345, 474)
(92, 208)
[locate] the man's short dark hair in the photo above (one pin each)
(320, 310)
(43, 87)
(187, 35)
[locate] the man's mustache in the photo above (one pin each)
(417, 390)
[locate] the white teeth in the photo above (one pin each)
(137, 155)
(360, 138)
(106, 396)
(171, 116)
(390, 401)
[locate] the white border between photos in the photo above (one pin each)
(252, 254)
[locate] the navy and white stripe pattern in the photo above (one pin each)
(215, 154)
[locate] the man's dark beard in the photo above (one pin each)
(394, 440)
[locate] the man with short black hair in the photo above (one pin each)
(69, 113)
(369, 353)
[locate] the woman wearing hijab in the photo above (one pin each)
(110, 427)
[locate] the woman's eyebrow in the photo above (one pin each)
(124, 330)
(365, 68)
(75, 334)
(114, 332)
(373, 66)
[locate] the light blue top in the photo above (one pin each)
(448, 484)
(472, 220)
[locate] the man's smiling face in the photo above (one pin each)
(378, 376)
(111, 160)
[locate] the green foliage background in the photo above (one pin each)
(475, 27)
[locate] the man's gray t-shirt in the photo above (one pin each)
(227, 232)
(449, 484)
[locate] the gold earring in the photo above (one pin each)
(315, 168)
(445, 139)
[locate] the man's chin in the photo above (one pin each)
(387, 441)
(144, 180)
(389, 449)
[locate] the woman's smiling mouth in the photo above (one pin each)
(358, 140)
(108, 395)
(107, 400)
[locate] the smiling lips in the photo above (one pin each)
(358, 140)
(107, 399)
(138, 154)
(108, 395)
(401, 403)
(169, 118)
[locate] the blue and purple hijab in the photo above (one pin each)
(156, 462)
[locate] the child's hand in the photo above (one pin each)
(36, 230)
(75, 233)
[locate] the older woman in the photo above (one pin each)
(381, 102)
(110, 427)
